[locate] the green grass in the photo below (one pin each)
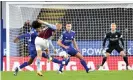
(70, 75)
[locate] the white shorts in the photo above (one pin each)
(41, 44)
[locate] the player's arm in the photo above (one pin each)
(59, 42)
(75, 44)
(47, 24)
(121, 39)
(52, 46)
(21, 37)
(104, 41)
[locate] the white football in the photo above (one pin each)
(63, 54)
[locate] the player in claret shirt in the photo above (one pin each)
(31, 46)
(115, 38)
(65, 41)
(41, 41)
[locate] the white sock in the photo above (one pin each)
(38, 64)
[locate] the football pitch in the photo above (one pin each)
(70, 75)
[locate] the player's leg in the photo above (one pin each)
(23, 65)
(27, 63)
(46, 49)
(38, 45)
(73, 52)
(56, 60)
(39, 54)
(64, 61)
(108, 52)
(82, 61)
(61, 66)
(32, 57)
(123, 54)
(48, 55)
(100, 67)
(66, 57)
(44, 55)
(125, 58)
(105, 57)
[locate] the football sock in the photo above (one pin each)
(67, 60)
(104, 60)
(56, 61)
(62, 64)
(125, 58)
(84, 64)
(38, 64)
(44, 55)
(23, 65)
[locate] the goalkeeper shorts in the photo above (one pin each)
(117, 48)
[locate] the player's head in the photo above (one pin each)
(36, 25)
(113, 26)
(68, 26)
(59, 26)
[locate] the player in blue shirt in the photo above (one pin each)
(65, 41)
(31, 47)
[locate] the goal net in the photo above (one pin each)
(90, 21)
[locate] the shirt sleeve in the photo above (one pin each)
(24, 35)
(34, 34)
(121, 39)
(50, 43)
(73, 36)
(51, 26)
(104, 41)
(61, 37)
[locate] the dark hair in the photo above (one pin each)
(59, 22)
(68, 23)
(36, 24)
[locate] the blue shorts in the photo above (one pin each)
(71, 51)
(32, 52)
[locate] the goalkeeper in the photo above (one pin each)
(114, 38)
(31, 47)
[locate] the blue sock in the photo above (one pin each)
(56, 61)
(62, 64)
(48, 56)
(38, 64)
(44, 55)
(84, 64)
(67, 60)
(23, 65)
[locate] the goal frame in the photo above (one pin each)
(35, 3)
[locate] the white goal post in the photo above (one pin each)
(18, 12)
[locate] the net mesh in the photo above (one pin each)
(89, 21)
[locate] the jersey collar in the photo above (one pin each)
(68, 31)
(113, 31)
